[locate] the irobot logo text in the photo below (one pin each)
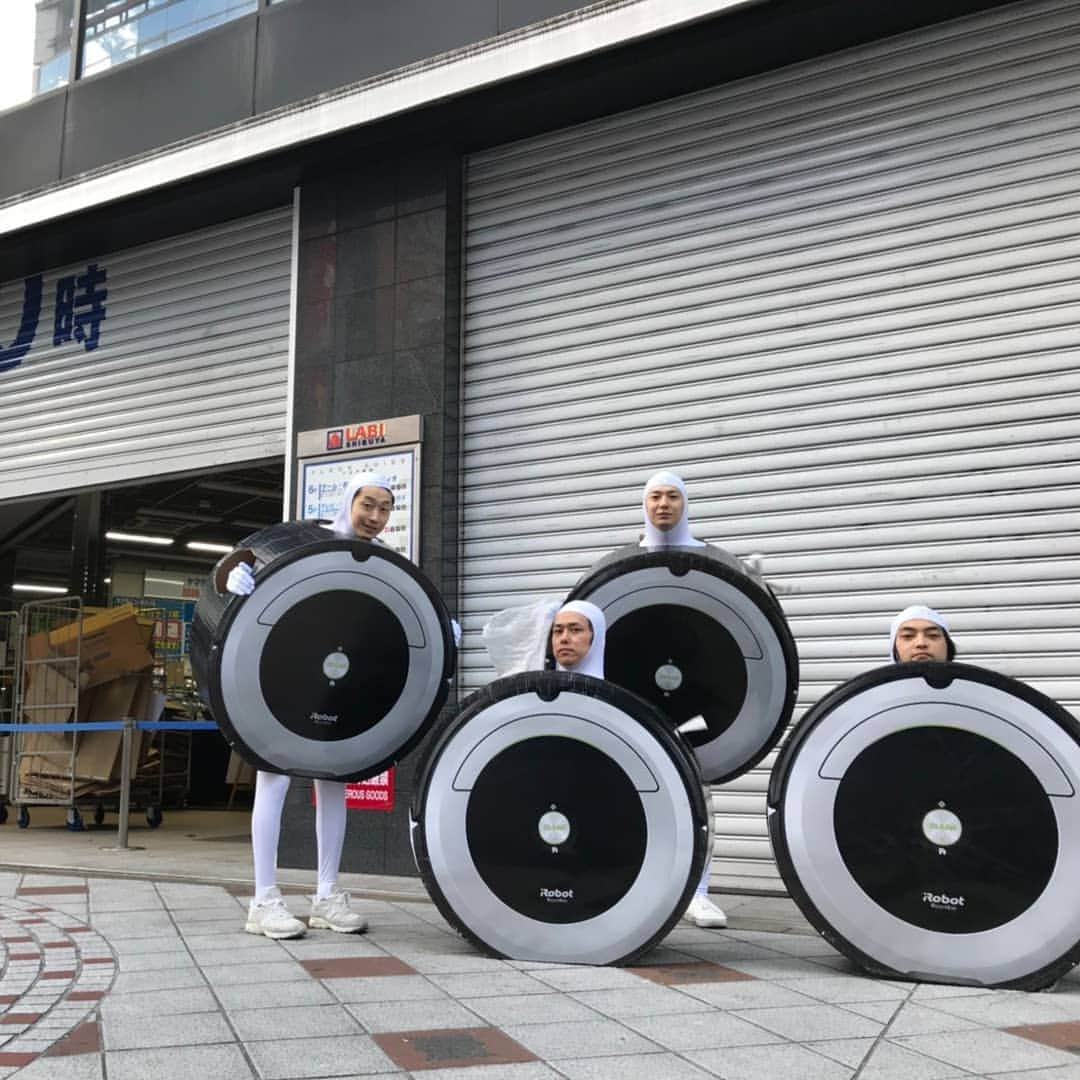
(323, 718)
(559, 896)
(941, 901)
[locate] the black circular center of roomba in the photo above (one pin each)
(682, 661)
(556, 829)
(334, 665)
(909, 793)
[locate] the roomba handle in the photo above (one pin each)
(335, 666)
(558, 818)
(926, 819)
(697, 635)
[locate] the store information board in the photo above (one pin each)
(323, 481)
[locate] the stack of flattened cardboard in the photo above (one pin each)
(99, 670)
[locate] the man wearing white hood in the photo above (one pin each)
(920, 633)
(667, 524)
(364, 513)
(577, 638)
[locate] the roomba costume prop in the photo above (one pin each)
(558, 818)
(691, 630)
(337, 662)
(926, 818)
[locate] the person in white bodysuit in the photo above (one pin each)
(364, 513)
(667, 524)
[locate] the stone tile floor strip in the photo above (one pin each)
(135, 979)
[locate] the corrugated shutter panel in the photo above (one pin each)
(842, 299)
(189, 371)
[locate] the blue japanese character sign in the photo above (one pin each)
(78, 312)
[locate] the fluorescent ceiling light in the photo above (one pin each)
(139, 538)
(199, 545)
(39, 588)
(163, 580)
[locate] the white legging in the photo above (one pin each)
(270, 792)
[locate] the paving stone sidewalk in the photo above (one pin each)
(136, 979)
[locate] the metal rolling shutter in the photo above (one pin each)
(189, 369)
(842, 299)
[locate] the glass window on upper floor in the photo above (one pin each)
(119, 30)
(35, 48)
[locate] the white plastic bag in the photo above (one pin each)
(516, 638)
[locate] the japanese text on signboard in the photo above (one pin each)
(78, 312)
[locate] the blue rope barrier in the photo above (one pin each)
(117, 725)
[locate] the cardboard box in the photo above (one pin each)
(239, 771)
(112, 645)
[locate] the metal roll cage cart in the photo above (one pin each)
(41, 714)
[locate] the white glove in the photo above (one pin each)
(456, 627)
(241, 581)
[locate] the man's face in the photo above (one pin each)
(920, 639)
(571, 636)
(664, 507)
(370, 511)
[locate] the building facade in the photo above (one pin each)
(817, 257)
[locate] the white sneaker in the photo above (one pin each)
(272, 918)
(704, 913)
(333, 913)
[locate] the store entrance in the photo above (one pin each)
(118, 571)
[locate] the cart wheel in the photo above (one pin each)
(3, 813)
(74, 819)
(153, 816)
(23, 819)
(99, 814)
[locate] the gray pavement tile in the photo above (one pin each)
(841, 988)
(193, 916)
(161, 961)
(846, 1051)
(882, 1011)
(119, 925)
(490, 984)
(803, 945)
(586, 978)
(1060, 1072)
(294, 1021)
(753, 994)
(663, 954)
(701, 1031)
(215, 948)
(167, 942)
(185, 1029)
(217, 1062)
(109, 905)
(770, 1063)
(640, 1001)
(887, 1061)
(138, 982)
(1009, 1008)
(583, 1038)
(721, 952)
(383, 988)
(985, 1050)
(425, 1015)
(75, 1067)
(526, 1070)
(319, 947)
(935, 991)
(342, 1055)
(159, 1002)
(223, 924)
(915, 1019)
(776, 967)
(181, 895)
(804, 1023)
(452, 964)
(255, 974)
(636, 1067)
(307, 991)
(527, 1009)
